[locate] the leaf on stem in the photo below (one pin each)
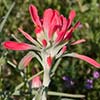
(25, 60)
(85, 58)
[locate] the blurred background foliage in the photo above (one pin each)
(88, 13)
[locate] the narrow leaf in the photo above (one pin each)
(25, 60)
(29, 37)
(85, 58)
(78, 41)
(6, 16)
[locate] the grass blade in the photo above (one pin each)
(6, 16)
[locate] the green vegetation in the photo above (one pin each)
(15, 14)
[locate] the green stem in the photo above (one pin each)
(53, 93)
(44, 95)
(10, 63)
(65, 94)
(46, 78)
(15, 38)
(55, 67)
(46, 82)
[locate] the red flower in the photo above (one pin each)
(52, 34)
(53, 26)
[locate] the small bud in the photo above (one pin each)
(36, 82)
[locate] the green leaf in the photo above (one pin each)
(53, 70)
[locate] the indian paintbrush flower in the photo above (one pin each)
(53, 32)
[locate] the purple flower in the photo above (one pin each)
(89, 84)
(96, 74)
(68, 82)
(89, 81)
(66, 78)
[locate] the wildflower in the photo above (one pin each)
(96, 74)
(53, 32)
(68, 81)
(89, 84)
(89, 81)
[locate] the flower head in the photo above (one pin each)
(53, 27)
(52, 31)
